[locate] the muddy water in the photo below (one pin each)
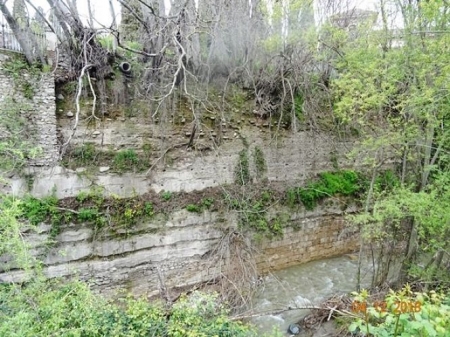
(303, 285)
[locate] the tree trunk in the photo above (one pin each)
(26, 40)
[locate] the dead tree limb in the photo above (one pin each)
(77, 114)
(26, 39)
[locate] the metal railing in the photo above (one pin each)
(8, 40)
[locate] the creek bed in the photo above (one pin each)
(305, 285)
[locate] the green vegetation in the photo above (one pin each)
(253, 214)
(88, 214)
(71, 309)
(166, 195)
(89, 156)
(193, 208)
(88, 207)
(242, 169)
(125, 159)
(11, 241)
(260, 162)
(16, 66)
(329, 184)
(237, 99)
(37, 210)
(298, 106)
(16, 146)
(207, 203)
(204, 204)
(403, 313)
(112, 213)
(397, 96)
(106, 41)
(85, 154)
(93, 208)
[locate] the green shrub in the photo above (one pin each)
(193, 208)
(128, 212)
(88, 214)
(166, 195)
(38, 210)
(266, 196)
(242, 169)
(106, 41)
(253, 215)
(126, 159)
(291, 197)
(259, 161)
(85, 154)
(16, 142)
(207, 202)
(94, 195)
(148, 209)
(386, 180)
(298, 106)
(329, 184)
(402, 313)
(71, 309)
(82, 196)
(92, 215)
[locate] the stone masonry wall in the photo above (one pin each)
(178, 246)
(39, 111)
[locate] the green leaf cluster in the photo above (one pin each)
(429, 208)
(16, 67)
(204, 204)
(49, 308)
(430, 317)
(254, 214)
(329, 184)
(392, 86)
(242, 169)
(88, 155)
(15, 140)
(125, 159)
(44, 308)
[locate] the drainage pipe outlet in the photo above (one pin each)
(125, 67)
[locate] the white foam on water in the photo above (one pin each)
(328, 285)
(276, 318)
(302, 286)
(302, 301)
(265, 303)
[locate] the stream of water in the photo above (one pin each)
(303, 285)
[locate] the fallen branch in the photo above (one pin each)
(94, 102)
(67, 210)
(77, 115)
(164, 153)
(274, 312)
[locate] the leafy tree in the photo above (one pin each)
(392, 87)
(18, 22)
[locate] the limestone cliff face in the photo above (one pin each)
(293, 159)
(178, 248)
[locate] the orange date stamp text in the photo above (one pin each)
(398, 307)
